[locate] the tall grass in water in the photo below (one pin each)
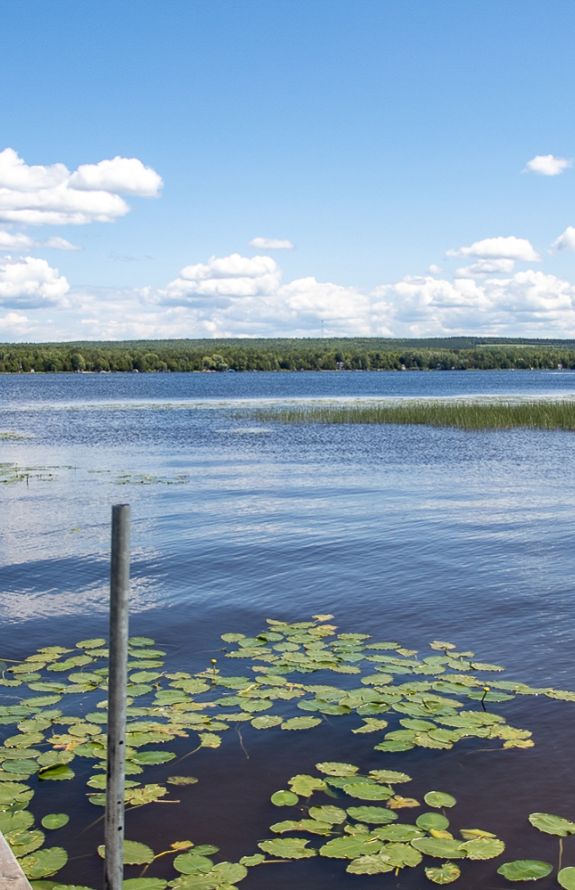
(548, 415)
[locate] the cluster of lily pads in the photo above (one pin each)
(56, 720)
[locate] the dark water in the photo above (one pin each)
(404, 533)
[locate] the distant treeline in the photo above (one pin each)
(353, 354)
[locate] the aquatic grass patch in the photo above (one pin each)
(467, 415)
(289, 676)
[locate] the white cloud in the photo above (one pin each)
(434, 269)
(547, 165)
(14, 241)
(486, 267)
(238, 296)
(13, 322)
(17, 242)
(271, 244)
(126, 175)
(565, 241)
(226, 277)
(52, 195)
(32, 283)
(503, 247)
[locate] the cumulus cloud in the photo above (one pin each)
(238, 296)
(547, 165)
(486, 267)
(565, 241)
(434, 269)
(14, 323)
(17, 242)
(225, 277)
(126, 175)
(271, 244)
(14, 241)
(53, 195)
(503, 247)
(30, 282)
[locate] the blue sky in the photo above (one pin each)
(411, 157)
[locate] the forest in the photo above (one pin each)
(326, 354)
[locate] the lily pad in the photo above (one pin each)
(44, 863)
(551, 824)
(284, 799)
(445, 874)
(288, 848)
(440, 848)
(566, 878)
(439, 799)
(525, 870)
(55, 820)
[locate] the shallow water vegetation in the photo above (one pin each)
(289, 678)
(468, 415)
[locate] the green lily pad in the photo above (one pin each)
(305, 785)
(55, 820)
(301, 723)
(439, 799)
(525, 870)
(367, 791)
(440, 848)
(566, 878)
(432, 821)
(287, 848)
(182, 780)
(372, 815)
(484, 848)
(144, 884)
(369, 865)
(135, 853)
(550, 824)
(193, 863)
(333, 768)
(44, 863)
(445, 874)
(57, 773)
(284, 799)
(332, 815)
(351, 847)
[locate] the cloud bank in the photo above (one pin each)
(53, 195)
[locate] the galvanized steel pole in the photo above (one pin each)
(117, 680)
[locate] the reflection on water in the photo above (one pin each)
(409, 533)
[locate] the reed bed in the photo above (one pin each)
(468, 415)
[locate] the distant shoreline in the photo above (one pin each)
(289, 355)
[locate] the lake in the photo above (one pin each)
(406, 533)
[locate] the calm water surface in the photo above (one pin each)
(406, 533)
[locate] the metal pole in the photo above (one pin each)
(118, 668)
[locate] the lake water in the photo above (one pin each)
(408, 533)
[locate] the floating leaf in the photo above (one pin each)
(566, 878)
(550, 824)
(143, 884)
(333, 768)
(484, 848)
(135, 853)
(330, 814)
(265, 722)
(301, 723)
(390, 776)
(432, 821)
(55, 820)
(369, 865)
(372, 815)
(284, 799)
(439, 799)
(305, 785)
(182, 780)
(56, 773)
(44, 863)
(193, 863)
(440, 848)
(367, 791)
(445, 874)
(350, 847)
(287, 848)
(525, 870)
